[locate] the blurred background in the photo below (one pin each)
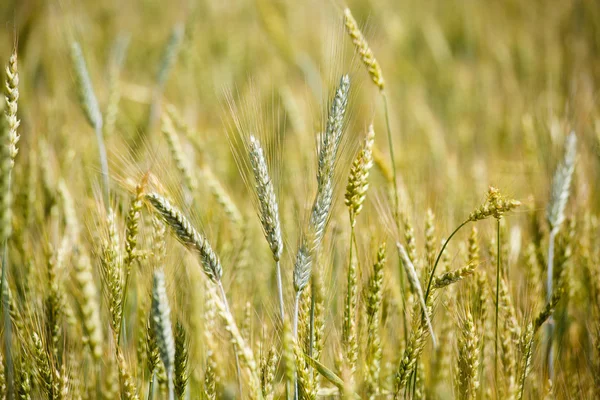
(480, 93)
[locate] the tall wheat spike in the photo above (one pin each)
(161, 320)
(90, 106)
(9, 137)
(555, 214)
(328, 150)
(269, 210)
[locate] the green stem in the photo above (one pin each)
(295, 333)
(280, 291)
(396, 201)
(151, 387)
(437, 260)
(348, 311)
(170, 384)
(392, 158)
(311, 330)
(404, 325)
(103, 164)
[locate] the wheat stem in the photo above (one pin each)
(439, 256)
(392, 158)
(279, 290)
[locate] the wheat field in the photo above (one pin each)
(275, 199)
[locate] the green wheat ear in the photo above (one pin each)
(161, 322)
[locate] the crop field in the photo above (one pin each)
(279, 199)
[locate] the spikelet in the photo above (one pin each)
(181, 361)
(111, 265)
(118, 53)
(430, 239)
(269, 210)
(15, 314)
(243, 351)
(159, 244)
(211, 376)
(221, 196)
(451, 277)
(363, 49)
(306, 383)
(356, 190)
(267, 372)
(409, 237)
(188, 235)
(547, 310)
(495, 205)
(182, 163)
(468, 360)
(161, 323)
(561, 184)
(288, 357)
(170, 53)
(12, 104)
(533, 273)
(61, 382)
(44, 370)
(53, 305)
(415, 285)
(526, 356)
(382, 166)
(349, 333)
(90, 309)
(131, 226)
(373, 308)
(2, 378)
(210, 379)
(91, 109)
(414, 347)
(68, 208)
(328, 149)
(129, 390)
(9, 138)
(87, 97)
(152, 355)
(23, 380)
(320, 314)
